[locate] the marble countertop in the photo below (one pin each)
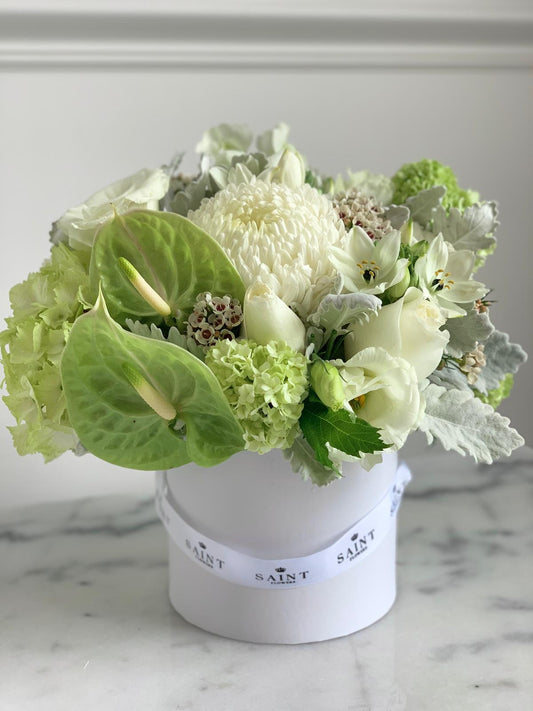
(86, 623)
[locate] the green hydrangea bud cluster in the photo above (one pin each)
(44, 308)
(424, 174)
(495, 396)
(265, 386)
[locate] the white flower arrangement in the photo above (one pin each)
(259, 305)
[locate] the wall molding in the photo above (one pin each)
(101, 39)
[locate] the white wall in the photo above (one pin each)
(77, 113)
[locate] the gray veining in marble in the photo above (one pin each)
(86, 623)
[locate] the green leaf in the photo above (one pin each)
(423, 205)
(502, 357)
(341, 429)
(303, 461)
(115, 423)
(467, 331)
(471, 229)
(175, 257)
(463, 423)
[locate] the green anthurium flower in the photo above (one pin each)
(445, 275)
(369, 267)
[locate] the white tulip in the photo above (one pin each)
(289, 169)
(408, 328)
(267, 318)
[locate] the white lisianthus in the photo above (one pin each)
(267, 318)
(278, 235)
(408, 328)
(445, 275)
(369, 267)
(383, 390)
(143, 190)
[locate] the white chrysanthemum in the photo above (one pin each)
(278, 235)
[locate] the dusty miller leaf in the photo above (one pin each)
(303, 461)
(422, 206)
(463, 423)
(336, 311)
(174, 336)
(471, 229)
(467, 331)
(397, 215)
(502, 357)
(451, 378)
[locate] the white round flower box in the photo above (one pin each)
(256, 506)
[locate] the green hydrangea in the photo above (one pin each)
(424, 174)
(265, 386)
(44, 308)
(495, 396)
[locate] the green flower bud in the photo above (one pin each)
(327, 384)
(398, 290)
(328, 186)
(407, 232)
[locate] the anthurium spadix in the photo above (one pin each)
(128, 398)
(152, 266)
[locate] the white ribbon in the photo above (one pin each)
(279, 574)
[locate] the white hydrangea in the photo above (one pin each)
(277, 234)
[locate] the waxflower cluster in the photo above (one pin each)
(214, 318)
(260, 304)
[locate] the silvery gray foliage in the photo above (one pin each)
(423, 205)
(450, 377)
(183, 197)
(221, 175)
(336, 311)
(467, 331)
(397, 215)
(303, 461)
(461, 422)
(57, 235)
(502, 357)
(174, 336)
(471, 229)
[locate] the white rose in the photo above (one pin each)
(140, 191)
(409, 328)
(383, 390)
(268, 318)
